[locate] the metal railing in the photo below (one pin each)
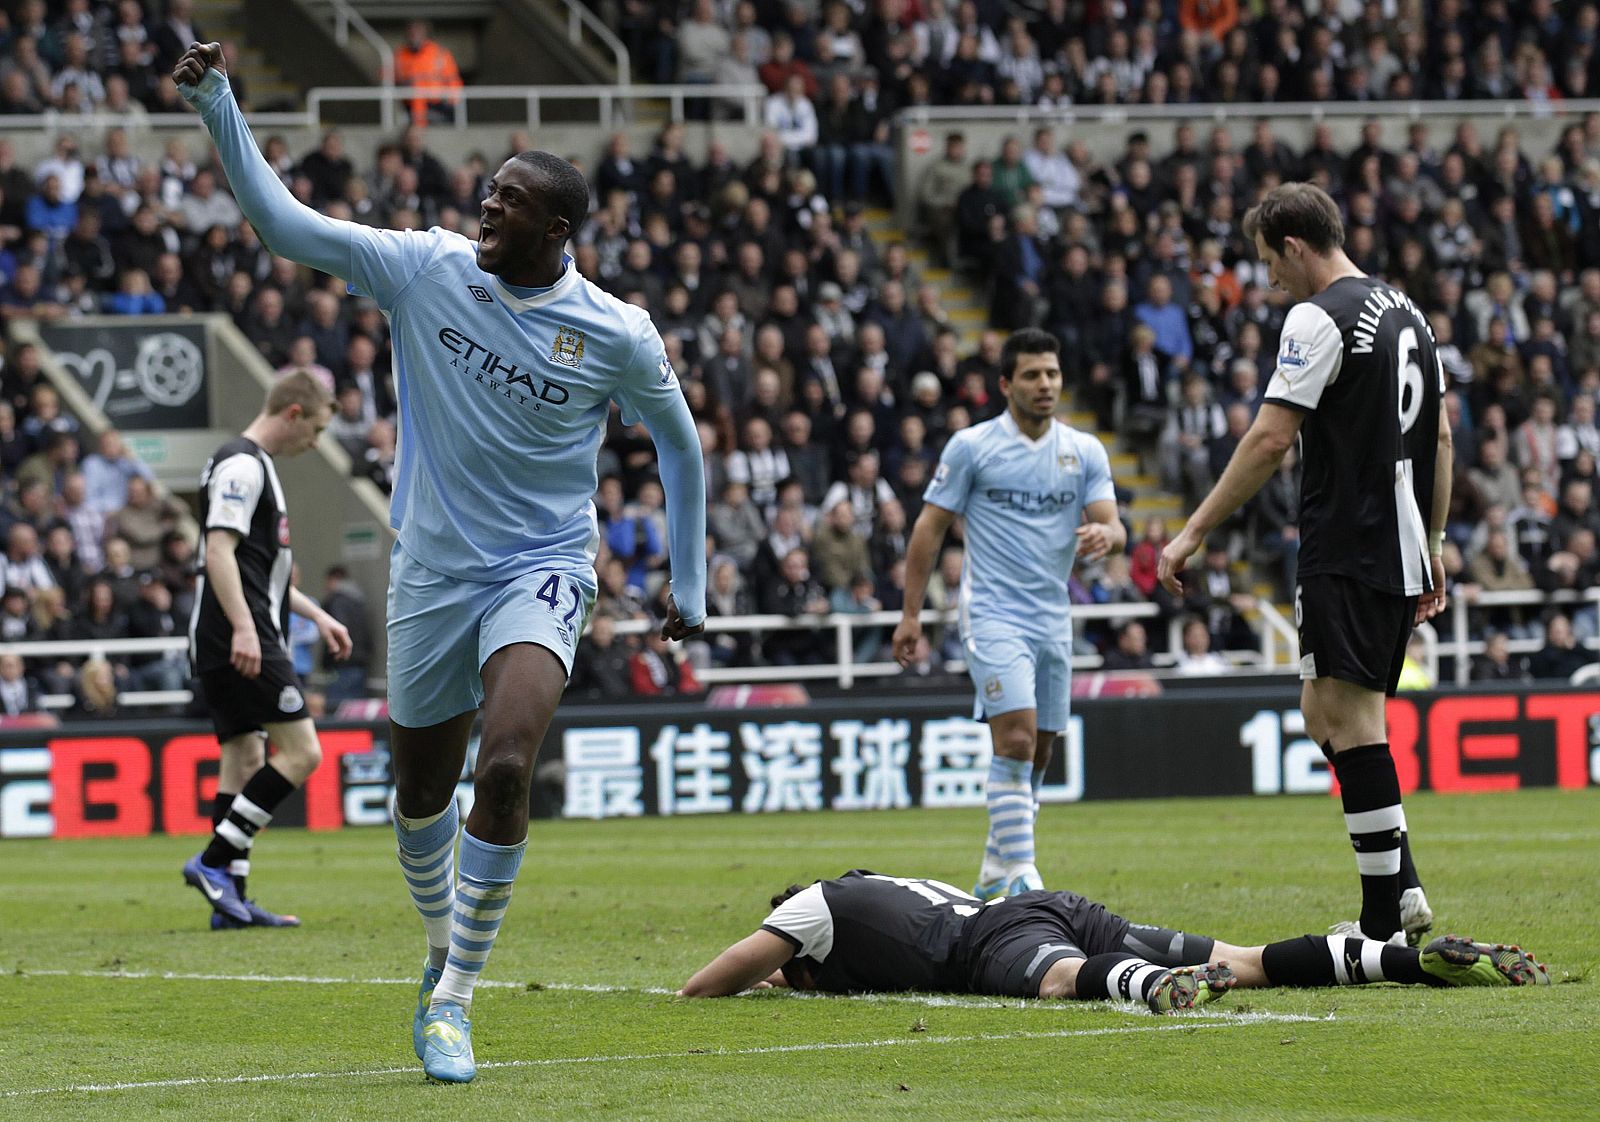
(578, 18)
(1279, 648)
(844, 625)
(1461, 647)
(846, 628)
(610, 100)
(1520, 109)
(345, 17)
(104, 648)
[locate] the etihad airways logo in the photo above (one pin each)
(1031, 502)
(509, 380)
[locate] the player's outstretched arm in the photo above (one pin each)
(1257, 457)
(286, 226)
(751, 960)
(678, 453)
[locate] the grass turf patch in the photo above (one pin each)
(638, 905)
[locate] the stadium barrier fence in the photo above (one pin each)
(1279, 649)
(869, 753)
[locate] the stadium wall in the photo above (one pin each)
(128, 780)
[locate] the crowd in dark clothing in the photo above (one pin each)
(819, 360)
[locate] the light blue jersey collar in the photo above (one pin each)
(1009, 424)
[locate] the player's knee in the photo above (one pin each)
(298, 755)
(502, 781)
(1016, 744)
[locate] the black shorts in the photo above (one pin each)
(239, 705)
(1009, 946)
(1352, 631)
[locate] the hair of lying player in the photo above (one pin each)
(1027, 341)
(786, 893)
(566, 190)
(1296, 210)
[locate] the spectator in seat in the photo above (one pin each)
(352, 420)
(736, 522)
(838, 552)
(153, 617)
(134, 296)
(16, 622)
(51, 212)
(1197, 659)
(303, 356)
(106, 473)
(794, 593)
(66, 567)
(96, 692)
(24, 565)
(1132, 649)
(1497, 663)
(19, 692)
(1146, 372)
(424, 63)
(1561, 657)
(728, 595)
(343, 599)
(659, 670)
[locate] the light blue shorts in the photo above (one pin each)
(1011, 671)
(442, 630)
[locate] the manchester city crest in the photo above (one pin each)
(568, 347)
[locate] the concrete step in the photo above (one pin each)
(1165, 506)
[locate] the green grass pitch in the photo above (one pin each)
(607, 915)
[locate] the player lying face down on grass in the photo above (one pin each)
(865, 932)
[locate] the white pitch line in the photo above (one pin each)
(635, 1057)
(932, 1001)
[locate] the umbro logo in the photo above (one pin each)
(480, 294)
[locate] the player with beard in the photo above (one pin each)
(1034, 492)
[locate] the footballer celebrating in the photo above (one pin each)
(507, 361)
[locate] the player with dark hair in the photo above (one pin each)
(239, 642)
(507, 361)
(868, 933)
(1034, 492)
(1360, 383)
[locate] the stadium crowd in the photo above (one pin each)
(823, 368)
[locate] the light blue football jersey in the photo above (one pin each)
(1023, 501)
(503, 401)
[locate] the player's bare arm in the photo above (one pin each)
(335, 636)
(749, 962)
(222, 573)
(1257, 457)
(1102, 532)
(1433, 601)
(926, 537)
